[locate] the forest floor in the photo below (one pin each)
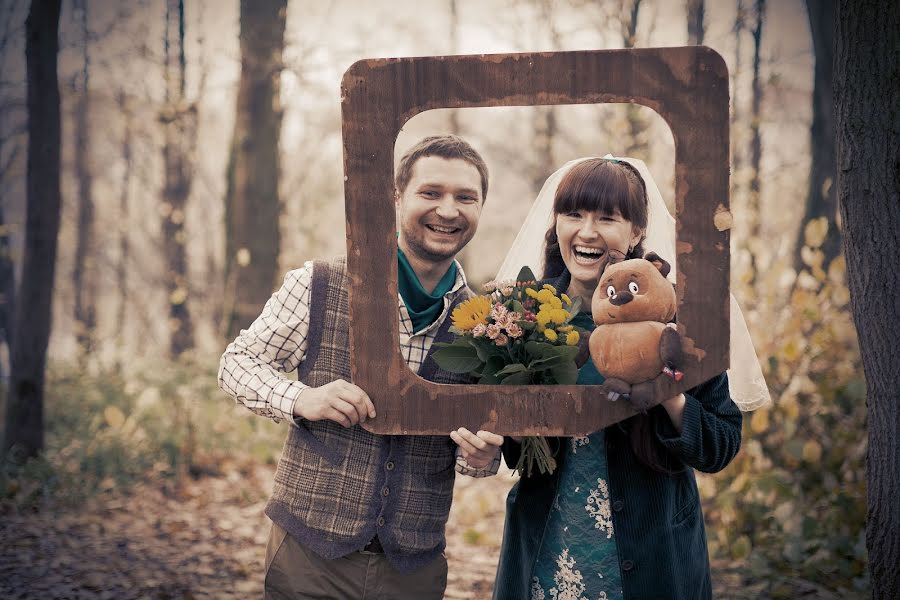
(207, 540)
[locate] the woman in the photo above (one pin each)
(620, 517)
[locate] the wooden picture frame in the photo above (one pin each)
(687, 86)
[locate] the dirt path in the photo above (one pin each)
(209, 542)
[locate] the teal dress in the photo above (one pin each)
(577, 556)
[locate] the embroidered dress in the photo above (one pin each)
(578, 558)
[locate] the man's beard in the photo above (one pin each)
(421, 248)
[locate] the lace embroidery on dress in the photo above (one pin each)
(598, 506)
(578, 442)
(568, 579)
(537, 593)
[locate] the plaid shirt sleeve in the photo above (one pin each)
(275, 343)
(463, 468)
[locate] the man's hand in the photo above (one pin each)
(339, 401)
(478, 449)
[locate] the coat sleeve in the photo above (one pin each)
(711, 427)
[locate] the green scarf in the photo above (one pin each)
(423, 307)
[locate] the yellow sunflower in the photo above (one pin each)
(472, 312)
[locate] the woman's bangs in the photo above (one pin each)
(594, 187)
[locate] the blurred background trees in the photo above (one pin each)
(201, 158)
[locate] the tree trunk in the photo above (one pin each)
(637, 125)
(252, 206)
(453, 120)
(753, 200)
(180, 121)
(821, 197)
(696, 15)
(123, 233)
(7, 287)
(866, 106)
(84, 273)
(25, 405)
(737, 137)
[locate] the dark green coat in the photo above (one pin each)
(657, 518)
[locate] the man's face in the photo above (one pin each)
(438, 211)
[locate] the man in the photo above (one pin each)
(357, 514)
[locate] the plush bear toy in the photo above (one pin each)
(632, 343)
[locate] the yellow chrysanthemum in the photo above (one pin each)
(565, 329)
(549, 287)
(531, 293)
(567, 300)
(572, 338)
(472, 312)
(559, 316)
(556, 302)
(544, 296)
(543, 317)
(550, 335)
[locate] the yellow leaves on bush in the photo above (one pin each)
(840, 295)
(815, 232)
(812, 451)
(760, 420)
(178, 296)
(741, 548)
(837, 270)
(114, 416)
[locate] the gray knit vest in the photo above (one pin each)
(336, 488)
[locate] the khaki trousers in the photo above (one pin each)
(293, 572)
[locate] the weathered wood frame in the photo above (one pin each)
(687, 86)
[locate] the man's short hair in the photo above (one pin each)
(444, 146)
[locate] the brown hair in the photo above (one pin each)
(444, 146)
(601, 185)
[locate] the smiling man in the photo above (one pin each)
(355, 514)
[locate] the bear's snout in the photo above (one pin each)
(621, 298)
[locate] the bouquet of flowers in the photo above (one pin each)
(518, 334)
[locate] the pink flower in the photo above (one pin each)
(493, 330)
(499, 312)
(529, 316)
(501, 340)
(479, 330)
(514, 331)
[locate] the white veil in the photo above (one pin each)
(747, 385)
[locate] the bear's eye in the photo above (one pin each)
(633, 287)
(611, 291)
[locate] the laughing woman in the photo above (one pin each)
(620, 516)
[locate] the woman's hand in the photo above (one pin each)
(479, 449)
(675, 408)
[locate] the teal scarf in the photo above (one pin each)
(423, 307)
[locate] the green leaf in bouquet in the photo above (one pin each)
(520, 378)
(489, 372)
(518, 307)
(488, 379)
(537, 349)
(510, 369)
(526, 274)
(564, 352)
(457, 359)
(566, 373)
(483, 348)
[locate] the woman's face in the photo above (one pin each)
(586, 239)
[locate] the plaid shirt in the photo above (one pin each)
(276, 342)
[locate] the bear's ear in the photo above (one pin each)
(661, 265)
